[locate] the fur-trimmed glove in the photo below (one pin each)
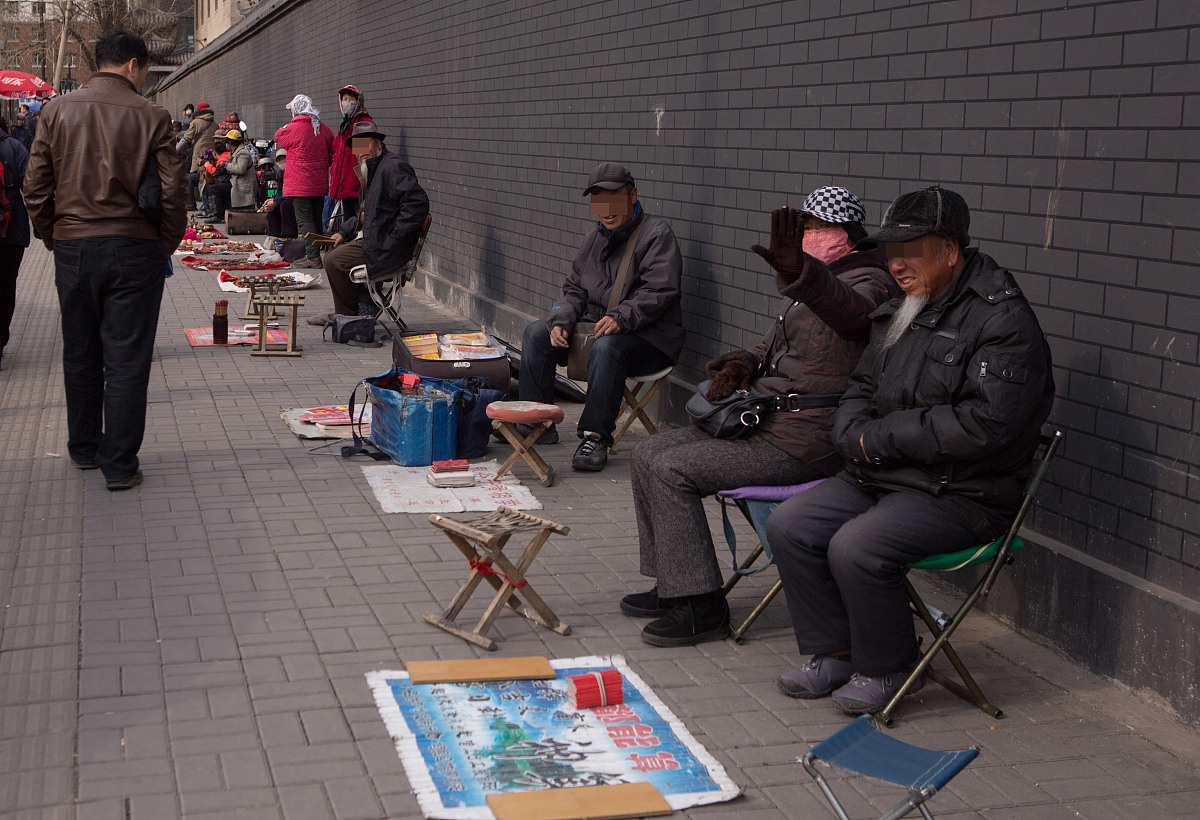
(730, 372)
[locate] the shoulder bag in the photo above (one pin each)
(583, 335)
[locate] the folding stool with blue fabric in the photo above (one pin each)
(861, 748)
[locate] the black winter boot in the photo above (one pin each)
(695, 619)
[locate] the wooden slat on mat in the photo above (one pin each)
(485, 669)
(593, 802)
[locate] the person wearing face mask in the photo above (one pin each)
(822, 328)
(343, 179)
(384, 232)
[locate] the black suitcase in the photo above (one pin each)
(245, 222)
(495, 372)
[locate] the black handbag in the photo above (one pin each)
(741, 412)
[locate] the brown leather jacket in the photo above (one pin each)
(87, 163)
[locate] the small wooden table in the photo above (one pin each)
(482, 540)
(292, 302)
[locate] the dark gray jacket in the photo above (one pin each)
(394, 206)
(649, 306)
(956, 407)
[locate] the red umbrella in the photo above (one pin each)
(15, 85)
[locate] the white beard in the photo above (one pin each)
(903, 317)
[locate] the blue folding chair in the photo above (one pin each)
(861, 748)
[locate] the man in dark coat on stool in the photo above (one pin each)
(391, 212)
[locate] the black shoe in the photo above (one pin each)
(697, 619)
(647, 604)
(85, 463)
(591, 455)
(115, 484)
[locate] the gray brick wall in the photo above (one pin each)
(1071, 129)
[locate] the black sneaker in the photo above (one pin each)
(591, 455)
(696, 619)
(647, 604)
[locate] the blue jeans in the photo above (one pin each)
(109, 290)
(613, 359)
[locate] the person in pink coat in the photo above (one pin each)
(343, 181)
(309, 145)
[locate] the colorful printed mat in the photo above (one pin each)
(460, 742)
(405, 490)
(202, 337)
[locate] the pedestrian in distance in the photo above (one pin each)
(14, 226)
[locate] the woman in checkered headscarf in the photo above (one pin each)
(829, 292)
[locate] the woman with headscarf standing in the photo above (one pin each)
(309, 145)
(343, 181)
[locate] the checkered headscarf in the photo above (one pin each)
(833, 204)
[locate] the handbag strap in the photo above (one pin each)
(618, 287)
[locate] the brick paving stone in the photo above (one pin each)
(195, 648)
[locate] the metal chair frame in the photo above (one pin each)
(385, 291)
(943, 627)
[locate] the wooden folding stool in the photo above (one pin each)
(506, 415)
(256, 287)
(482, 541)
(292, 302)
(635, 403)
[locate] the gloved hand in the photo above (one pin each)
(786, 254)
(733, 375)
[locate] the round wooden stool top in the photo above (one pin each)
(524, 412)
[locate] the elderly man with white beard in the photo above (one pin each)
(938, 427)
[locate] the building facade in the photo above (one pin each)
(1070, 128)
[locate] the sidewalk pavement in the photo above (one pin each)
(196, 647)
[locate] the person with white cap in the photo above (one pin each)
(309, 144)
(805, 360)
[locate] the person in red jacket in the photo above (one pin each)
(309, 144)
(343, 182)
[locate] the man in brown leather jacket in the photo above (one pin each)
(112, 233)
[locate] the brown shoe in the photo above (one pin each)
(309, 263)
(320, 319)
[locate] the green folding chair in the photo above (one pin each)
(996, 555)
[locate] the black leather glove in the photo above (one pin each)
(786, 254)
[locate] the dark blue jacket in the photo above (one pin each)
(16, 160)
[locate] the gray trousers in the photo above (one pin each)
(672, 472)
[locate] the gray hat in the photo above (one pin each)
(609, 176)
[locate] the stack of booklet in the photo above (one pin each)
(452, 473)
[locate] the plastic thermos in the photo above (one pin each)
(220, 329)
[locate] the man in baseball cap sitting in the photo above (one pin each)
(638, 332)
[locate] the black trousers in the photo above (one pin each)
(613, 359)
(10, 266)
(841, 550)
(109, 290)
